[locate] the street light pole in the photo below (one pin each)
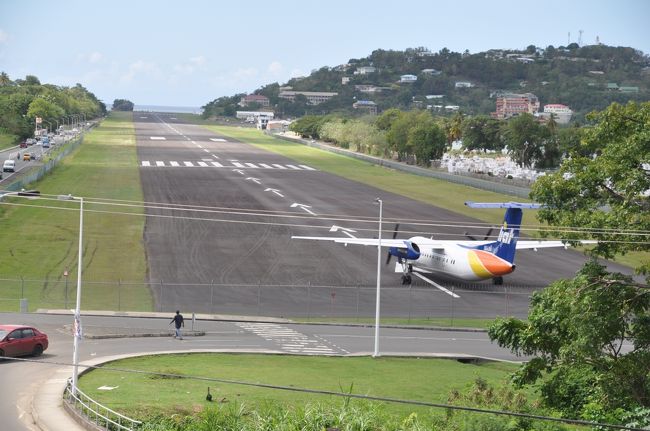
(376, 353)
(77, 312)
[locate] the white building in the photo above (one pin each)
(463, 84)
(364, 70)
(562, 113)
(408, 78)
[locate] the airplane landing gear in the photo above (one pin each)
(498, 281)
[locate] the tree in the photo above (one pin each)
(617, 179)
(122, 105)
(575, 331)
(428, 142)
(525, 139)
(576, 328)
(4, 79)
(44, 109)
(481, 133)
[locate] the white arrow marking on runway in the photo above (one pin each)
(345, 230)
(276, 191)
(303, 206)
(255, 180)
(238, 170)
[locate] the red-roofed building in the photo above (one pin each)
(511, 104)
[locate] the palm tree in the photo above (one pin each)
(4, 79)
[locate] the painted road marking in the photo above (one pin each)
(218, 140)
(291, 340)
(235, 164)
(157, 138)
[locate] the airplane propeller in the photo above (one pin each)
(394, 236)
(487, 235)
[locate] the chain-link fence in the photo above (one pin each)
(305, 301)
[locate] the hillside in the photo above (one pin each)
(584, 78)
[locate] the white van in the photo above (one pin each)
(9, 166)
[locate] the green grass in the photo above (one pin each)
(7, 140)
(40, 240)
(431, 191)
(141, 395)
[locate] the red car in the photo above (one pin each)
(18, 340)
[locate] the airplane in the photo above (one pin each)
(463, 260)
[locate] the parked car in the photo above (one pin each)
(18, 340)
(9, 166)
(23, 144)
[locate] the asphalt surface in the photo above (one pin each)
(31, 395)
(246, 264)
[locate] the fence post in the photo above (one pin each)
(119, 299)
(452, 306)
(358, 289)
(161, 296)
(259, 293)
(410, 301)
(309, 300)
(22, 287)
(212, 296)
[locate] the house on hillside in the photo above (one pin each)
(366, 105)
(408, 78)
(463, 84)
(365, 70)
(254, 98)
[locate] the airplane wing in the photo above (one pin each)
(437, 244)
(359, 241)
(523, 245)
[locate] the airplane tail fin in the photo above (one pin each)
(506, 243)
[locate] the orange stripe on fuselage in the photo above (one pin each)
(486, 265)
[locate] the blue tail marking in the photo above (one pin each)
(506, 244)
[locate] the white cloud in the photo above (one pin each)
(139, 68)
(92, 58)
(275, 68)
(4, 36)
(193, 64)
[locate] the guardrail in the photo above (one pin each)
(97, 414)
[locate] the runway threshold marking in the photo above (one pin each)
(290, 340)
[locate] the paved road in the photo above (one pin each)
(22, 381)
(217, 264)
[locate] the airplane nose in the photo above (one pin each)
(486, 265)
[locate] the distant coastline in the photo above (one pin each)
(176, 109)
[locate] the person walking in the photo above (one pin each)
(178, 322)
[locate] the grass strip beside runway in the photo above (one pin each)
(141, 395)
(432, 191)
(41, 243)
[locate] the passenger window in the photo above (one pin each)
(16, 334)
(28, 333)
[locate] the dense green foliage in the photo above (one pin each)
(419, 137)
(122, 105)
(590, 336)
(23, 100)
(618, 179)
(574, 76)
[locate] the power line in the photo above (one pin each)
(578, 422)
(324, 217)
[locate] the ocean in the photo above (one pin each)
(177, 109)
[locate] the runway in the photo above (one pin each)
(246, 262)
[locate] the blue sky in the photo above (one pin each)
(187, 53)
